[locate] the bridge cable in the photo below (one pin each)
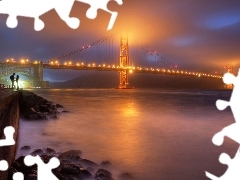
(154, 54)
(83, 48)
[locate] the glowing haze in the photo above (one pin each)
(202, 35)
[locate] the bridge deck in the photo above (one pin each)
(135, 70)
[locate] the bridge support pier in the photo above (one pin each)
(124, 63)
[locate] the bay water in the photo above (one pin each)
(152, 134)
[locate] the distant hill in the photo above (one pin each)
(111, 80)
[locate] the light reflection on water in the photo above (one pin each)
(153, 134)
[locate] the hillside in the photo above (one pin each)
(111, 80)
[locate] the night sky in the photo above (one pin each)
(198, 35)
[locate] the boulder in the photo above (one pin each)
(70, 169)
(25, 148)
(87, 163)
(44, 108)
(102, 174)
(72, 154)
(37, 152)
(50, 150)
(59, 106)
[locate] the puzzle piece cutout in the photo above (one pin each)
(3, 165)
(232, 131)
(36, 8)
(18, 176)
(101, 4)
(8, 132)
(233, 171)
(235, 98)
(44, 170)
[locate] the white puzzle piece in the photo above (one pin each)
(3, 165)
(232, 131)
(8, 132)
(36, 8)
(44, 170)
(101, 4)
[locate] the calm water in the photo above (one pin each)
(152, 134)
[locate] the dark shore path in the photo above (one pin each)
(9, 116)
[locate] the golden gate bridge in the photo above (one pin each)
(34, 70)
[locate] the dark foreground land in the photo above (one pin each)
(9, 116)
(33, 107)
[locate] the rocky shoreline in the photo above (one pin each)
(34, 107)
(72, 165)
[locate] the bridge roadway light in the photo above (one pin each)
(22, 61)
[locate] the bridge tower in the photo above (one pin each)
(37, 75)
(124, 63)
(38, 71)
(230, 69)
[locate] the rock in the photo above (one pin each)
(31, 177)
(48, 104)
(37, 152)
(55, 117)
(54, 107)
(19, 166)
(86, 175)
(58, 175)
(70, 166)
(125, 176)
(70, 169)
(46, 158)
(87, 163)
(41, 115)
(59, 106)
(32, 110)
(32, 116)
(35, 107)
(11, 171)
(44, 108)
(102, 174)
(49, 150)
(65, 161)
(25, 148)
(91, 170)
(72, 154)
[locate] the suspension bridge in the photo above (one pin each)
(91, 60)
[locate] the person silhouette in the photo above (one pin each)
(12, 79)
(17, 78)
